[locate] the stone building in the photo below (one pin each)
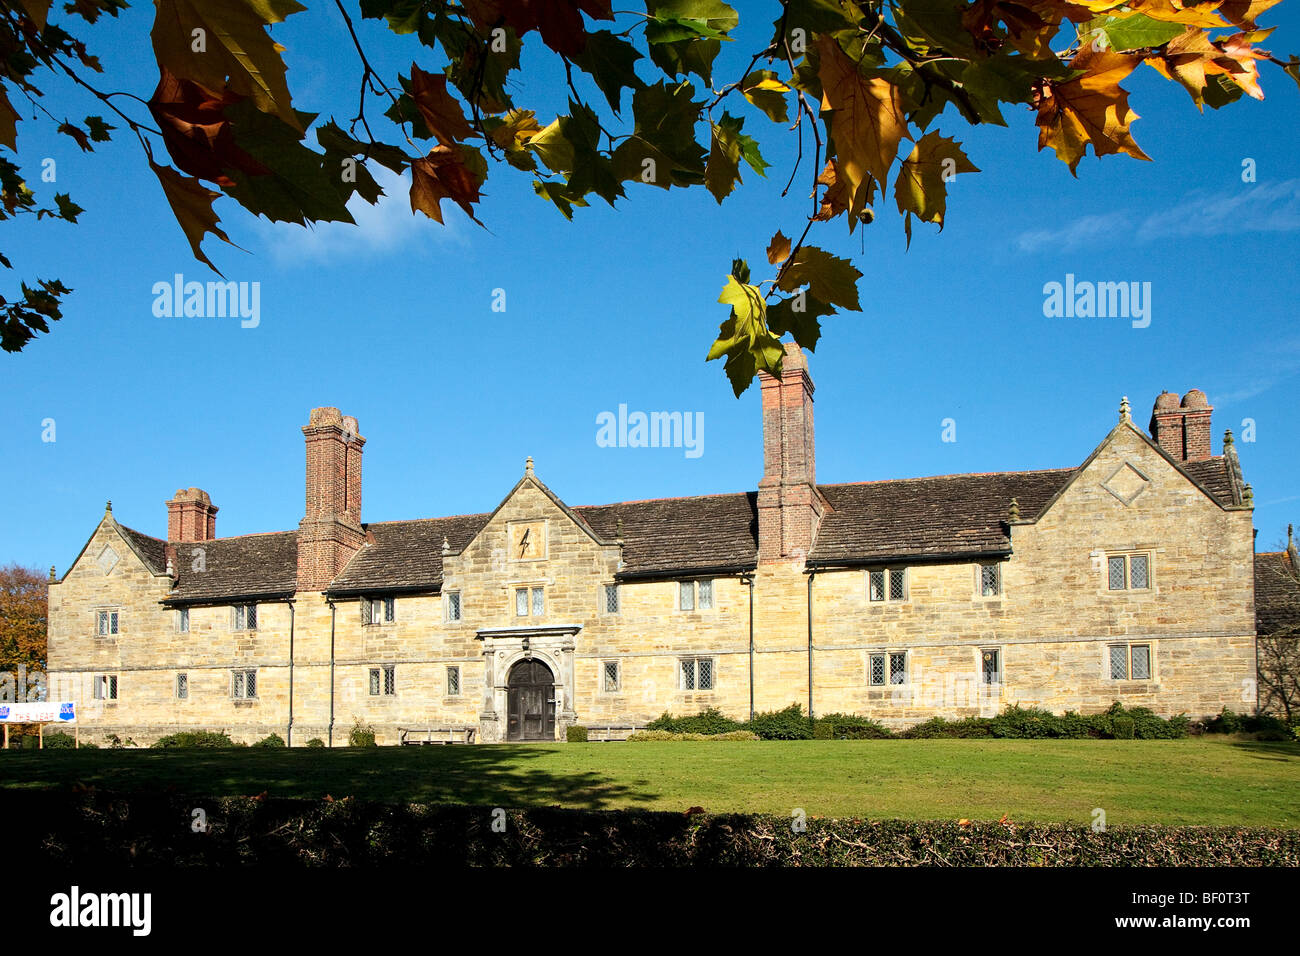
(1128, 577)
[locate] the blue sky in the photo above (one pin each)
(393, 322)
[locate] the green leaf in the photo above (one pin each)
(297, 188)
(98, 129)
(727, 148)
(687, 56)
(1220, 91)
(829, 278)
(332, 138)
(558, 193)
(609, 61)
(403, 16)
(664, 134)
(798, 316)
(68, 209)
(674, 20)
(744, 338)
(1134, 32)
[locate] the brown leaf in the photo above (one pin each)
(8, 122)
(1091, 109)
(867, 120)
(442, 174)
(196, 132)
(440, 112)
(778, 250)
(191, 204)
(558, 21)
(39, 10)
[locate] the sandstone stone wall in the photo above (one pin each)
(1052, 624)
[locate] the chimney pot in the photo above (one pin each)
(191, 516)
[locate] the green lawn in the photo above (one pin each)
(1196, 781)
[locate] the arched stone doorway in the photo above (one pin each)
(530, 701)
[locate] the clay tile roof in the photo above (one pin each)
(929, 517)
(712, 532)
(153, 551)
(251, 565)
(1277, 593)
(406, 555)
(907, 519)
(1212, 475)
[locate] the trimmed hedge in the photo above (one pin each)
(100, 828)
(575, 734)
(273, 740)
(1015, 723)
(1263, 726)
(211, 739)
(641, 736)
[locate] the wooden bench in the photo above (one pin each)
(424, 736)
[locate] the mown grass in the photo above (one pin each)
(1204, 781)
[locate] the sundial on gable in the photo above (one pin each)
(1126, 483)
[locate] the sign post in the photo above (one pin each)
(40, 713)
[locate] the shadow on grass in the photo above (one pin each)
(1280, 750)
(497, 775)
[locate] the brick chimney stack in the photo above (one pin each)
(789, 505)
(330, 532)
(191, 516)
(1182, 428)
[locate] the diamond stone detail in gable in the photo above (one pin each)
(107, 559)
(1126, 483)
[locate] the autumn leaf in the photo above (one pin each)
(1091, 109)
(1244, 13)
(191, 204)
(38, 10)
(920, 188)
(196, 130)
(558, 21)
(778, 250)
(8, 122)
(440, 112)
(444, 174)
(235, 44)
(767, 92)
(799, 315)
(866, 120)
(1196, 15)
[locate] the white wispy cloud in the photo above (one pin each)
(1275, 363)
(1080, 232)
(387, 227)
(1263, 207)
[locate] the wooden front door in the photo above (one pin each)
(530, 702)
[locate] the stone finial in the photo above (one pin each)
(171, 568)
(1015, 509)
(108, 507)
(446, 546)
(54, 577)
(528, 465)
(1248, 497)
(1227, 437)
(1125, 412)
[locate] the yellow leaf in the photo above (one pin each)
(207, 41)
(519, 127)
(866, 121)
(191, 204)
(1202, 15)
(1091, 109)
(776, 86)
(921, 186)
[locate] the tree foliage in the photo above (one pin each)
(866, 82)
(23, 613)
